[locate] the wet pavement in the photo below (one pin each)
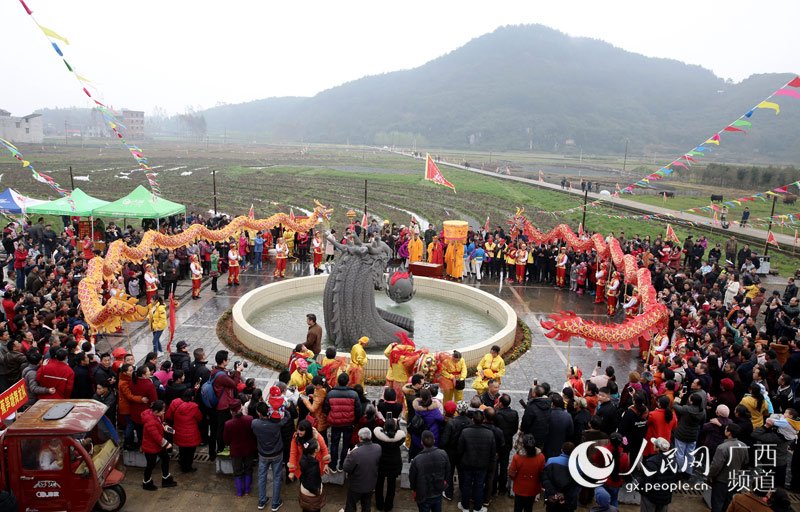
(546, 361)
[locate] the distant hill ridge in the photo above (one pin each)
(533, 88)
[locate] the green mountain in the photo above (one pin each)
(531, 88)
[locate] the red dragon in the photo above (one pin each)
(566, 324)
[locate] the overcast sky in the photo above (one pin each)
(177, 53)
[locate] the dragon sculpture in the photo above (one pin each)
(107, 317)
(349, 297)
(566, 324)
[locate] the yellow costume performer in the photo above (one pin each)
(493, 361)
(453, 370)
(397, 353)
(455, 259)
(415, 249)
(358, 362)
(300, 377)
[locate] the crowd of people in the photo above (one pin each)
(722, 376)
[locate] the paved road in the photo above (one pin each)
(784, 240)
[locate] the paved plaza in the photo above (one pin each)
(546, 361)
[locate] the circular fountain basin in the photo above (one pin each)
(270, 320)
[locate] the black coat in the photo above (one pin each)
(451, 433)
(560, 431)
(428, 473)
(174, 390)
(101, 374)
(180, 361)
(477, 447)
(580, 422)
(391, 462)
(361, 466)
(536, 419)
(508, 421)
(607, 412)
(82, 383)
(556, 479)
(654, 464)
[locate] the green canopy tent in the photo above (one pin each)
(84, 206)
(139, 204)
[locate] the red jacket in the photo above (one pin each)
(184, 417)
(153, 439)
(238, 434)
(55, 374)
(225, 387)
(142, 387)
(20, 259)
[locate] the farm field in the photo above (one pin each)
(280, 179)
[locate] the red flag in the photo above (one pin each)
(252, 213)
(171, 321)
(364, 220)
(617, 186)
(508, 171)
(291, 214)
(795, 237)
(665, 197)
(715, 217)
(433, 173)
(671, 235)
(541, 176)
(793, 83)
(487, 224)
(580, 229)
(771, 240)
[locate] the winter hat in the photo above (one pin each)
(660, 443)
(462, 407)
(726, 384)
(274, 391)
(276, 402)
(723, 411)
(450, 408)
(235, 406)
(602, 497)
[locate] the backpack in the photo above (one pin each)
(207, 393)
(417, 425)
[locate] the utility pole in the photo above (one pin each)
(585, 197)
(365, 210)
(214, 178)
(71, 179)
(625, 160)
(766, 244)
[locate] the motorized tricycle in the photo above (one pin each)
(62, 455)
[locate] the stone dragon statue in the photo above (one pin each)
(566, 324)
(108, 316)
(349, 297)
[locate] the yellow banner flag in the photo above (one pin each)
(25, 163)
(50, 33)
(769, 104)
(712, 141)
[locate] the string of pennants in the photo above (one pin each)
(711, 208)
(108, 114)
(783, 219)
(38, 176)
(742, 124)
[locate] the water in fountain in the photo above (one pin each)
(439, 325)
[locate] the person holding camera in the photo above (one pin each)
(225, 383)
(155, 445)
